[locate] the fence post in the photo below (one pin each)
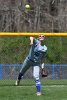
(52, 71)
(0, 71)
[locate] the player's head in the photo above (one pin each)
(41, 37)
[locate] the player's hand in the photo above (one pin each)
(31, 40)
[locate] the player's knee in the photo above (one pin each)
(20, 76)
(36, 76)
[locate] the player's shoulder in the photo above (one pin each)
(36, 41)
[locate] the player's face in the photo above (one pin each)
(41, 37)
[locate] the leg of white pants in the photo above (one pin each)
(36, 70)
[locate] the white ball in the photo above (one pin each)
(27, 6)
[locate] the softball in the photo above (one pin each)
(27, 6)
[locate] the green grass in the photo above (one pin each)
(29, 82)
(51, 90)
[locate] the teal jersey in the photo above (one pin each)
(37, 51)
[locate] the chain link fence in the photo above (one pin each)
(9, 73)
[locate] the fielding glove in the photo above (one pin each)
(44, 72)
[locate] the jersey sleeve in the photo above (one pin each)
(35, 41)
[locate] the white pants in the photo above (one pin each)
(26, 65)
(36, 70)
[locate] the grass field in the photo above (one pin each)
(51, 90)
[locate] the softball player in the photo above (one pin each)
(34, 59)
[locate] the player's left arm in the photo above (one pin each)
(43, 57)
(44, 71)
